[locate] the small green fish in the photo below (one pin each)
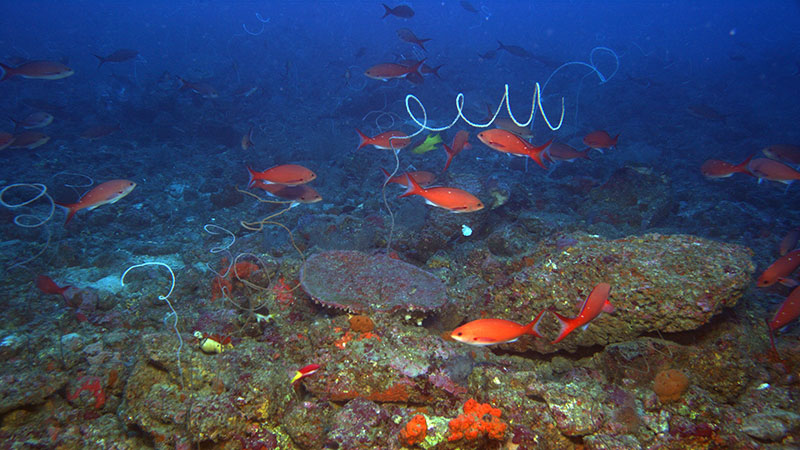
(430, 143)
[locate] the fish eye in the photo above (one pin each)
(460, 333)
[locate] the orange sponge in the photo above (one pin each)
(415, 431)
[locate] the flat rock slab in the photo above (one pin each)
(362, 283)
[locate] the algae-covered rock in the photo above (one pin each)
(362, 283)
(658, 283)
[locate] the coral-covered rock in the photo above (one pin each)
(772, 425)
(358, 425)
(658, 283)
(390, 368)
(362, 283)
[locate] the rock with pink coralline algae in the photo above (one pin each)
(362, 283)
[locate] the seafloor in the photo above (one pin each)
(683, 363)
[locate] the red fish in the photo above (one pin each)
(600, 140)
(422, 177)
(459, 143)
(385, 141)
(781, 268)
(304, 372)
(451, 199)
(99, 131)
(789, 311)
(789, 241)
(389, 71)
(484, 332)
(204, 90)
(102, 194)
(784, 152)
(48, 286)
(39, 70)
(564, 152)
(6, 139)
(594, 304)
(38, 119)
(715, 168)
(768, 169)
(508, 142)
(301, 193)
(29, 140)
(247, 140)
(288, 174)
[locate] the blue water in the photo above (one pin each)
(294, 73)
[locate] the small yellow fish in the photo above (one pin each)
(430, 143)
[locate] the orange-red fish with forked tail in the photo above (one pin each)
(789, 311)
(451, 199)
(288, 174)
(459, 143)
(508, 142)
(715, 168)
(388, 140)
(302, 193)
(600, 140)
(768, 169)
(424, 178)
(102, 194)
(5, 139)
(38, 70)
(781, 268)
(484, 332)
(48, 286)
(594, 304)
(390, 71)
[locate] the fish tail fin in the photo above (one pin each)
(413, 188)
(435, 71)
(388, 11)
(415, 67)
(501, 46)
(70, 210)
(7, 72)
(102, 60)
(422, 41)
(182, 84)
(772, 338)
(742, 167)
(566, 327)
(364, 139)
(252, 181)
(385, 174)
(536, 153)
(450, 155)
(614, 142)
(533, 326)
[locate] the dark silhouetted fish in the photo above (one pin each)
(704, 111)
(515, 50)
(491, 54)
(403, 11)
(468, 6)
(360, 52)
(99, 131)
(121, 55)
(407, 35)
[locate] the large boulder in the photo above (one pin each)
(659, 283)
